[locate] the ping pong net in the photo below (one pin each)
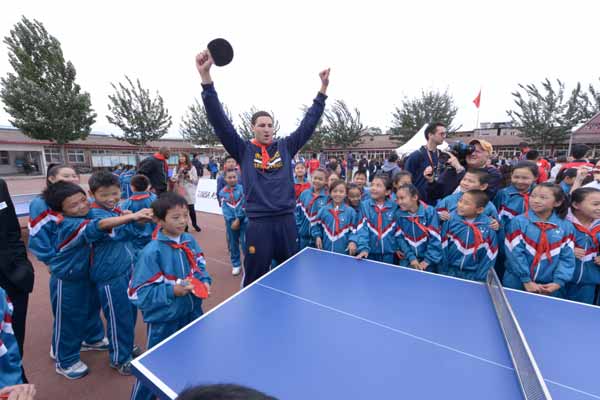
(530, 378)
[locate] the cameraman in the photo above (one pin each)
(447, 182)
(426, 157)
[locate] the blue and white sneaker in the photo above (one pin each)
(75, 371)
(101, 345)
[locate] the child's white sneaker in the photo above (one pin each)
(75, 371)
(236, 271)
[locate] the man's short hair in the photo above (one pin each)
(55, 194)
(102, 178)
(259, 114)
(431, 128)
(165, 202)
(140, 183)
(578, 151)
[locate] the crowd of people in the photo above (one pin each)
(123, 246)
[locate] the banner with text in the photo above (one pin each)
(206, 197)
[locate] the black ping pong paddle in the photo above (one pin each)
(220, 51)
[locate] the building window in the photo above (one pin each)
(76, 156)
(4, 159)
(52, 155)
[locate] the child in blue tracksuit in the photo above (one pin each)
(417, 231)
(585, 217)
(232, 202)
(334, 228)
(539, 245)
(377, 225)
(360, 179)
(513, 200)
(470, 244)
(308, 205)
(140, 198)
(70, 269)
(42, 229)
(568, 179)
(111, 269)
(125, 182)
(474, 179)
(160, 286)
(10, 358)
(354, 197)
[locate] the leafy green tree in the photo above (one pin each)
(431, 106)
(142, 117)
(41, 95)
(196, 128)
(342, 127)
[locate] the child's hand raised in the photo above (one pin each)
(145, 214)
(444, 215)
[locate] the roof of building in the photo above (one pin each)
(15, 136)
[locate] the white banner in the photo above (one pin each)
(206, 197)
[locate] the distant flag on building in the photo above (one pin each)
(477, 100)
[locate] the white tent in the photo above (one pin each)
(416, 142)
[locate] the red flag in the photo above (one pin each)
(477, 100)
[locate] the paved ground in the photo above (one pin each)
(103, 382)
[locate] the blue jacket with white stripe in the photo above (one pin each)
(336, 226)
(42, 229)
(10, 358)
(417, 243)
(468, 253)
(449, 203)
(112, 256)
(377, 227)
(233, 203)
(307, 207)
(155, 274)
(586, 272)
(141, 233)
(521, 246)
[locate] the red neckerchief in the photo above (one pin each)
(336, 218)
(525, 197)
(477, 237)
(140, 196)
(164, 160)
(415, 220)
(315, 196)
(189, 254)
(264, 153)
(229, 190)
(543, 246)
(379, 211)
(591, 233)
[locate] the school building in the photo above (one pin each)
(20, 154)
(503, 136)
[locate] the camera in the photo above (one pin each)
(461, 150)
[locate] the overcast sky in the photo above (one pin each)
(378, 51)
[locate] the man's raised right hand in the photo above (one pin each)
(203, 63)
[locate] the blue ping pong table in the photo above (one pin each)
(327, 326)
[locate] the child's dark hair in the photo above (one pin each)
(55, 194)
(321, 170)
(532, 155)
(579, 195)
(101, 179)
(570, 173)
(359, 172)
(337, 183)
(559, 196)
(352, 186)
(229, 171)
(300, 163)
(140, 183)
(527, 165)
(53, 170)
(165, 202)
(222, 392)
(479, 196)
(229, 157)
(385, 179)
(412, 190)
(398, 177)
(482, 174)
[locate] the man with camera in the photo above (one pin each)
(426, 158)
(462, 157)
